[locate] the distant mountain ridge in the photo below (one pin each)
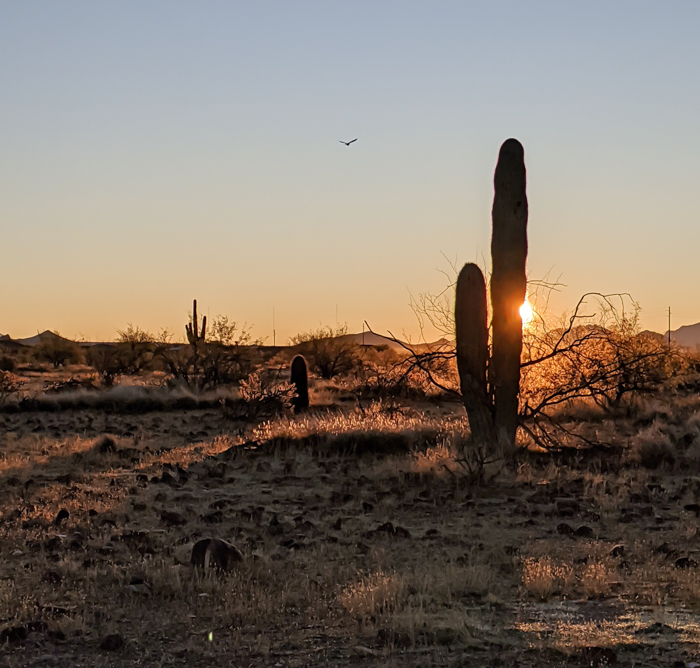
(687, 336)
(362, 339)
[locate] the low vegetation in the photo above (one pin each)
(372, 530)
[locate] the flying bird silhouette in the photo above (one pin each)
(347, 143)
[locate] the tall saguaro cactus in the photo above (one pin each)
(508, 285)
(194, 335)
(490, 389)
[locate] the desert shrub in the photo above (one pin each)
(387, 374)
(605, 361)
(651, 447)
(227, 332)
(137, 348)
(9, 386)
(106, 359)
(596, 353)
(544, 577)
(206, 366)
(264, 395)
(58, 352)
(228, 357)
(71, 385)
(478, 461)
(330, 352)
(373, 595)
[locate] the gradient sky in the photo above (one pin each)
(152, 152)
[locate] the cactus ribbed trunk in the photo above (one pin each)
(508, 286)
(300, 380)
(471, 328)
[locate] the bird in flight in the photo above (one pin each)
(347, 143)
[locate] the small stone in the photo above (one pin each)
(62, 516)
(400, 532)
(112, 642)
(565, 529)
(617, 551)
(173, 519)
(215, 553)
(685, 562)
(168, 479)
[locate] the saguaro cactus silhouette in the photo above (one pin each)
(300, 380)
(491, 384)
(194, 335)
(471, 326)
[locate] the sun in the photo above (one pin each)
(526, 312)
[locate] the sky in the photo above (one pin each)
(152, 152)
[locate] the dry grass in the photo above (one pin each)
(373, 595)
(402, 555)
(544, 577)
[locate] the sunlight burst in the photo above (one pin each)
(526, 312)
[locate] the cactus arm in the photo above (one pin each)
(471, 328)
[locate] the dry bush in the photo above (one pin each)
(330, 352)
(264, 395)
(651, 447)
(477, 460)
(106, 359)
(543, 577)
(595, 579)
(59, 352)
(206, 366)
(394, 379)
(422, 606)
(597, 353)
(10, 385)
(373, 595)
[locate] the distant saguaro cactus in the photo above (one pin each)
(491, 384)
(194, 335)
(300, 380)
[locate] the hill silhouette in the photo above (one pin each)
(687, 336)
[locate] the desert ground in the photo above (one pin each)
(368, 535)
